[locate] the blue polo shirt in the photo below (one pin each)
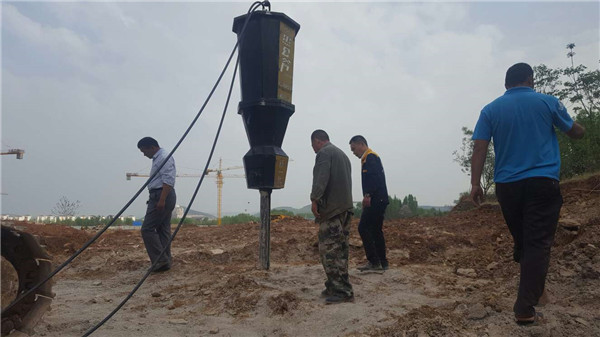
(521, 123)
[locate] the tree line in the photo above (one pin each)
(408, 207)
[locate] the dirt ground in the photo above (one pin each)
(449, 276)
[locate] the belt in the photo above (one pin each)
(156, 189)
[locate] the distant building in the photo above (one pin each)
(180, 210)
(5, 217)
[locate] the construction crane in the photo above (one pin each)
(218, 175)
(18, 152)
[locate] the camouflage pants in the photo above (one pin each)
(333, 250)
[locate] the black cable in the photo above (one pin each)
(99, 233)
(149, 271)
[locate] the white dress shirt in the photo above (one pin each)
(166, 174)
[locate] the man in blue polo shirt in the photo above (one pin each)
(521, 123)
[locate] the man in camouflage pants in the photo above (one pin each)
(332, 206)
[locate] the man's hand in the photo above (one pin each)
(476, 195)
(166, 189)
(160, 205)
(315, 209)
(366, 201)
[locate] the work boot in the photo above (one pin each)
(325, 293)
(370, 267)
(339, 299)
(161, 267)
(385, 265)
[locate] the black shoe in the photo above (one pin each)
(370, 267)
(326, 293)
(339, 299)
(385, 265)
(161, 267)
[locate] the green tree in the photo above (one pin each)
(580, 90)
(412, 204)
(393, 208)
(463, 158)
(358, 210)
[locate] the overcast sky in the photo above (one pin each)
(83, 82)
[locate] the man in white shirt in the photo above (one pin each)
(156, 229)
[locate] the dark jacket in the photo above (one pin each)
(373, 178)
(332, 182)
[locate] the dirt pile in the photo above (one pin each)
(450, 276)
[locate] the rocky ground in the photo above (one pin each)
(450, 276)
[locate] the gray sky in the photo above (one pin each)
(83, 82)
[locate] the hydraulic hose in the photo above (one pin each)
(100, 232)
(212, 150)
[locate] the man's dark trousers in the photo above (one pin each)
(531, 208)
(370, 229)
(156, 229)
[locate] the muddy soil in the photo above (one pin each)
(449, 276)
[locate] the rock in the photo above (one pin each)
(569, 224)
(155, 294)
(355, 243)
(469, 272)
(97, 283)
(178, 321)
(582, 321)
(566, 272)
(477, 312)
(217, 251)
(537, 331)
(461, 308)
(492, 266)
(214, 331)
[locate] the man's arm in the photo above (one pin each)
(477, 162)
(167, 174)
(370, 179)
(576, 132)
(166, 189)
(321, 174)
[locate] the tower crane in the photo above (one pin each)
(218, 174)
(18, 152)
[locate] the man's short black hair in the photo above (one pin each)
(320, 135)
(517, 74)
(358, 139)
(147, 142)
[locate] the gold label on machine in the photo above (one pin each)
(286, 62)
(281, 164)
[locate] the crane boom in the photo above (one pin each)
(18, 152)
(219, 176)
